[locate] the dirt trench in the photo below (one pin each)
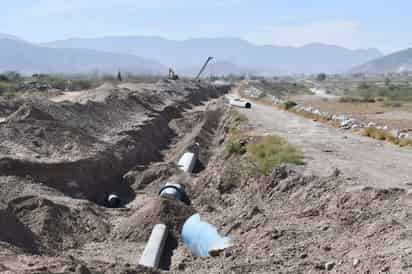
(50, 199)
(83, 150)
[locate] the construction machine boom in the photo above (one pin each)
(204, 67)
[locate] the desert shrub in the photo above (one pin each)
(58, 83)
(289, 104)
(405, 142)
(7, 87)
(235, 146)
(81, 84)
(4, 78)
(321, 77)
(392, 104)
(272, 151)
(386, 136)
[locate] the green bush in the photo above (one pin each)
(81, 84)
(235, 146)
(272, 151)
(289, 104)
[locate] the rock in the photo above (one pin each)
(327, 248)
(356, 262)
(329, 266)
(385, 268)
(324, 228)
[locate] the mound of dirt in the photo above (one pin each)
(138, 227)
(290, 223)
(57, 226)
(15, 233)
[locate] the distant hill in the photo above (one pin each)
(28, 58)
(10, 37)
(187, 54)
(396, 62)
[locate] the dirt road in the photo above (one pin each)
(364, 161)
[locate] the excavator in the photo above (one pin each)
(173, 75)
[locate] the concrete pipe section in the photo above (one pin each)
(113, 201)
(154, 247)
(175, 191)
(187, 162)
(237, 102)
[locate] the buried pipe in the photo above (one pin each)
(202, 238)
(154, 247)
(113, 201)
(187, 162)
(175, 191)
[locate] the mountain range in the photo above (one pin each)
(181, 55)
(153, 55)
(398, 62)
(28, 58)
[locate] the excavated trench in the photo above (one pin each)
(83, 150)
(59, 162)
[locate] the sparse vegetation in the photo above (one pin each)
(289, 105)
(321, 77)
(281, 88)
(235, 144)
(383, 135)
(271, 151)
(368, 92)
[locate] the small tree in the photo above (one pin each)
(321, 77)
(119, 76)
(387, 81)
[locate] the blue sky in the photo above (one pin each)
(386, 25)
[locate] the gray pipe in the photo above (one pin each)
(154, 247)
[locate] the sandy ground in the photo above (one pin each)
(365, 161)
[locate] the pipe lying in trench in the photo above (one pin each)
(175, 191)
(154, 247)
(202, 238)
(187, 162)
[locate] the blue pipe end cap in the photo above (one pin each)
(202, 237)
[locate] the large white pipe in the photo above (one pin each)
(187, 162)
(174, 190)
(154, 247)
(240, 103)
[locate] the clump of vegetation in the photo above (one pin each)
(383, 135)
(321, 77)
(392, 104)
(289, 105)
(348, 99)
(235, 144)
(272, 151)
(281, 88)
(369, 92)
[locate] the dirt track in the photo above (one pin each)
(365, 161)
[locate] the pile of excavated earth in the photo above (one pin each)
(60, 160)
